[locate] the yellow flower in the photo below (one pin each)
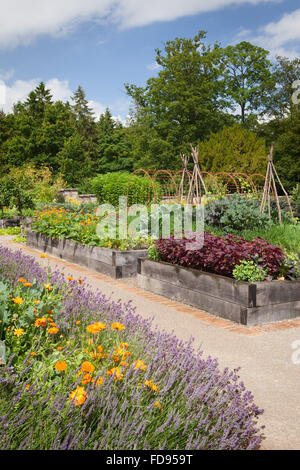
(157, 405)
(70, 278)
(99, 381)
(18, 300)
(19, 332)
(140, 365)
(79, 396)
(22, 280)
(32, 354)
(36, 302)
(117, 326)
(61, 366)
(48, 287)
(43, 256)
(116, 372)
(78, 322)
(150, 384)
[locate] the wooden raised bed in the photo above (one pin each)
(241, 302)
(111, 262)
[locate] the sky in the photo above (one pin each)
(103, 44)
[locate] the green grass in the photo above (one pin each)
(285, 236)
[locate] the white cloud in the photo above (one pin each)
(281, 37)
(23, 21)
(154, 66)
(6, 75)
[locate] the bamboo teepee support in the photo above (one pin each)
(195, 191)
(185, 160)
(270, 183)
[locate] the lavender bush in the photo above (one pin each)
(162, 394)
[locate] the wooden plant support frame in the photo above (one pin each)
(270, 183)
(197, 180)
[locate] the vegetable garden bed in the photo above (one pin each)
(111, 262)
(242, 302)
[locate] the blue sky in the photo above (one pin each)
(101, 44)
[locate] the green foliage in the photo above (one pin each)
(234, 149)
(10, 231)
(153, 253)
(236, 213)
(290, 267)
(109, 187)
(4, 296)
(249, 271)
(248, 78)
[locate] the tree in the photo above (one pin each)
(182, 104)
(286, 72)
(287, 151)
(247, 78)
(233, 149)
(37, 101)
(75, 164)
(84, 116)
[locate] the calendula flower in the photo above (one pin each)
(80, 281)
(33, 354)
(43, 256)
(61, 366)
(116, 372)
(19, 332)
(87, 367)
(87, 378)
(117, 326)
(124, 345)
(28, 284)
(53, 331)
(78, 322)
(18, 300)
(140, 365)
(96, 327)
(48, 287)
(36, 302)
(78, 396)
(22, 281)
(59, 348)
(40, 322)
(157, 405)
(99, 381)
(150, 384)
(70, 278)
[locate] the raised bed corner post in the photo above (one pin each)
(197, 180)
(270, 182)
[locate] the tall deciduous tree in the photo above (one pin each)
(248, 79)
(182, 104)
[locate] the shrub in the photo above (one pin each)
(220, 255)
(249, 271)
(169, 397)
(235, 213)
(109, 187)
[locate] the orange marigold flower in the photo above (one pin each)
(28, 284)
(87, 378)
(96, 327)
(40, 322)
(117, 326)
(50, 312)
(61, 366)
(78, 396)
(19, 332)
(70, 278)
(22, 280)
(78, 322)
(52, 324)
(36, 302)
(80, 281)
(59, 348)
(32, 354)
(124, 345)
(48, 287)
(18, 300)
(87, 367)
(53, 331)
(43, 256)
